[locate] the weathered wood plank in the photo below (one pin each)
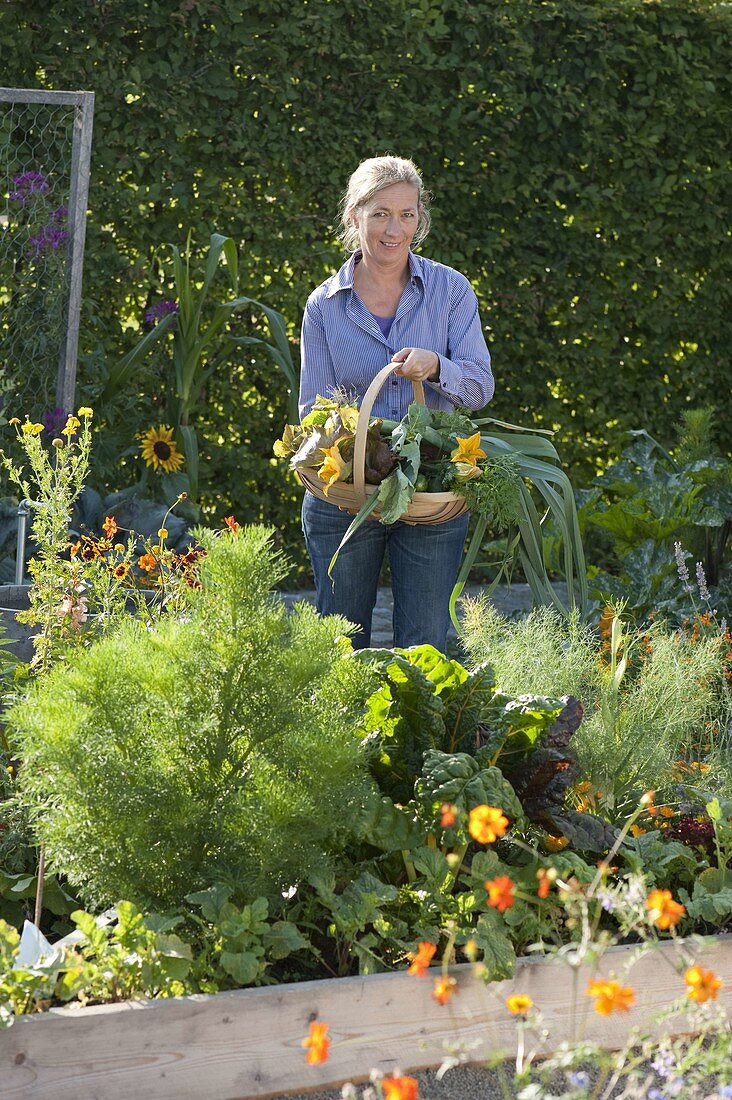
(247, 1044)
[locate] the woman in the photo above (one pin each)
(387, 304)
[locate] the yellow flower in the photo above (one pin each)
(486, 824)
(555, 843)
(71, 425)
(85, 411)
(468, 450)
(160, 450)
(15, 420)
(163, 533)
(29, 428)
(317, 1044)
(701, 985)
(443, 990)
(334, 468)
(519, 1004)
(466, 471)
(349, 417)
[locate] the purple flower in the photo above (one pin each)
(663, 1063)
(725, 1090)
(162, 309)
(60, 214)
(54, 420)
(27, 184)
(50, 236)
(580, 1079)
(681, 568)
(701, 581)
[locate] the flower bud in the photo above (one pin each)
(57, 443)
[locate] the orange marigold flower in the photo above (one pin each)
(610, 996)
(519, 1004)
(317, 1044)
(400, 1088)
(500, 892)
(486, 824)
(555, 843)
(110, 527)
(231, 523)
(148, 563)
(545, 883)
(664, 912)
(637, 830)
(701, 985)
(421, 959)
(74, 550)
(444, 989)
(448, 815)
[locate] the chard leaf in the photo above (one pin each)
(459, 779)
(403, 720)
(542, 779)
(587, 832)
(395, 495)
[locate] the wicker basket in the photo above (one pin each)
(423, 508)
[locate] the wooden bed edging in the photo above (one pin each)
(246, 1044)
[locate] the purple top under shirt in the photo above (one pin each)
(344, 346)
(384, 324)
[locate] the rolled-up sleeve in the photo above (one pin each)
(317, 374)
(466, 377)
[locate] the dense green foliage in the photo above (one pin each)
(577, 152)
(219, 746)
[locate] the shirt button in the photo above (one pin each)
(394, 382)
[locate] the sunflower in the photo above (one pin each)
(160, 450)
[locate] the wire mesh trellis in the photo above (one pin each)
(45, 145)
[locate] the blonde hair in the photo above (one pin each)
(372, 176)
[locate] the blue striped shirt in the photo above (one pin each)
(343, 347)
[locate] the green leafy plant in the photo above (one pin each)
(169, 741)
(650, 696)
(654, 498)
(204, 337)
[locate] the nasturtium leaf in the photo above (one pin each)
(387, 826)
(243, 966)
(499, 957)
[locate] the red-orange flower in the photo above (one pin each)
(231, 523)
(610, 996)
(110, 527)
(663, 911)
(317, 1044)
(444, 989)
(448, 815)
(421, 959)
(545, 883)
(148, 563)
(486, 824)
(500, 892)
(701, 985)
(400, 1088)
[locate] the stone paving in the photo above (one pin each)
(512, 600)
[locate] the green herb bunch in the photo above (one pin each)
(217, 745)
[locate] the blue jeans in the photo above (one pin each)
(424, 560)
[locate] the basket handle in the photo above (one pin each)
(364, 415)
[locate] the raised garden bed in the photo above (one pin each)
(246, 1044)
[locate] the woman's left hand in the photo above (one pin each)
(418, 364)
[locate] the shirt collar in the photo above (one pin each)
(343, 279)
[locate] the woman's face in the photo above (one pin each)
(387, 224)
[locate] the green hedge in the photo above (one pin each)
(577, 152)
